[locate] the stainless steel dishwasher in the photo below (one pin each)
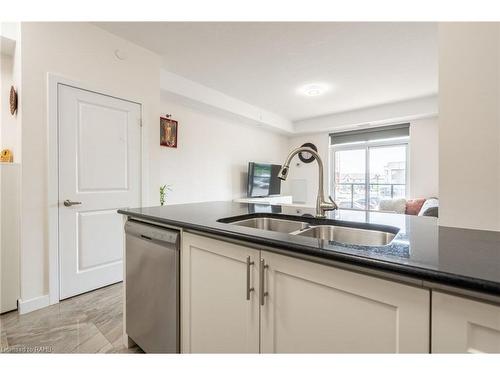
(152, 287)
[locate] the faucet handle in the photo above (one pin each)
(334, 205)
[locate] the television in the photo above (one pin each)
(263, 180)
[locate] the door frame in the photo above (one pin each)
(53, 81)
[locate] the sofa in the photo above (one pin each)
(419, 206)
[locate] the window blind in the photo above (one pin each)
(370, 134)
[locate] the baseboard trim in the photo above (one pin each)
(33, 304)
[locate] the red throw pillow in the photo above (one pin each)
(413, 206)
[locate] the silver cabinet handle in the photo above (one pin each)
(69, 203)
(249, 289)
(263, 293)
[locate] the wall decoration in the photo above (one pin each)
(168, 132)
(13, 100)
(306, 157)
(6, 156)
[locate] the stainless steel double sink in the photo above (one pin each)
(368, 236)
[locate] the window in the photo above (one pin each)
(350, 177)
(368, 171)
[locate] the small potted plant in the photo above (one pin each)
(163, 193)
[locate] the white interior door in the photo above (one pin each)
(99, 166)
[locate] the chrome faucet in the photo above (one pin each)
(321, 205)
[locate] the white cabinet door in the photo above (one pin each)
(216, 316)
(461, 325)
(316, 308)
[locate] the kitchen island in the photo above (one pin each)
(309, 294)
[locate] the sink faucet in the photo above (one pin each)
(321, 205)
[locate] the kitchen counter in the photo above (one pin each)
(461, 258)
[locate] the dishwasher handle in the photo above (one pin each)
(148, 232)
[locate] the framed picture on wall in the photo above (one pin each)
(168, 132)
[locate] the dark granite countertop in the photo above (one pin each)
(463, 258)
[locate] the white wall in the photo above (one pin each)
(424, 158)
(10, 75)
(211, 159)
(469, 125)
(83, 53)
(424, 161)
(8, 125)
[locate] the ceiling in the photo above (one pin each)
(264, 63)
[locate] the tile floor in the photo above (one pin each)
(89, 323)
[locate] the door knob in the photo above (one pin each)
(69, 203)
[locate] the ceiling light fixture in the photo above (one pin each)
(313, 89)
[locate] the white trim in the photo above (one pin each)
(33, 304)
(368, 117)
(53, 188)
(53, 81)
(192, 91)
(8, 46)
